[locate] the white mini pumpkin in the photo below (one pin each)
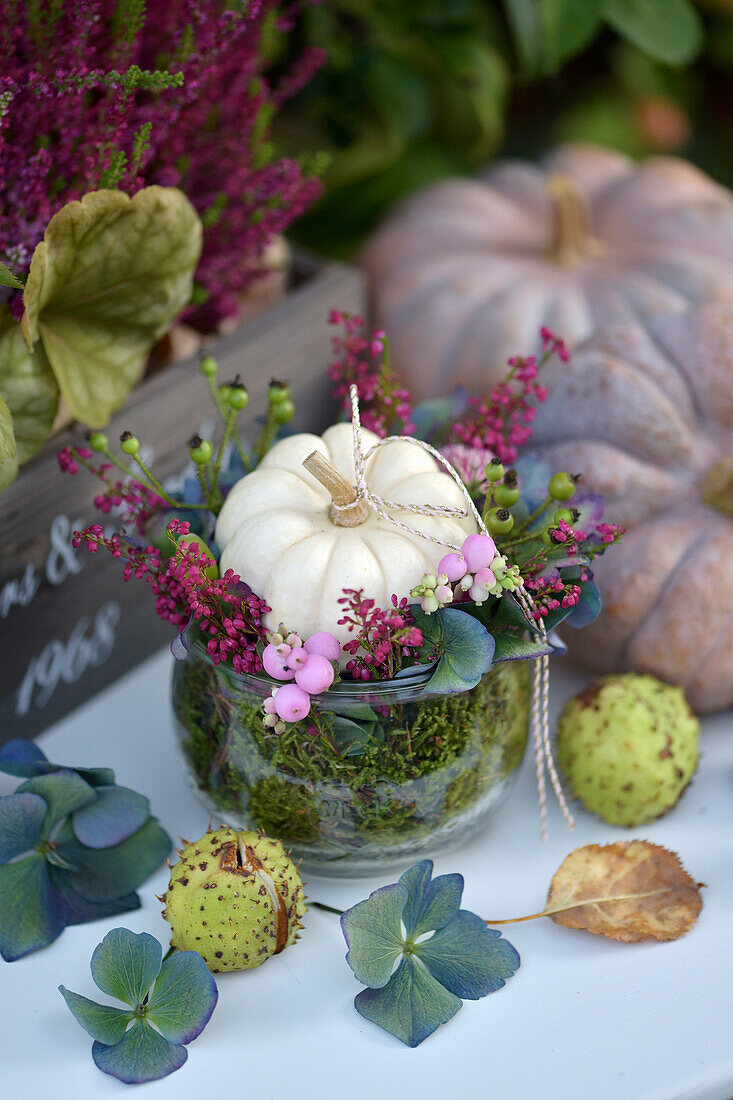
(465, 273)
(277, 532)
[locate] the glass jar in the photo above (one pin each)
(377, 775)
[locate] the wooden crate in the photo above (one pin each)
(69, 625)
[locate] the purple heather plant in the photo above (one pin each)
(111, 93)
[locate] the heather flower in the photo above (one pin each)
(363, 361)
(383, 637)
(114, 93)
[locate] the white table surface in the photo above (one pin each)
(583, 1019)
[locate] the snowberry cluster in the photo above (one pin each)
(308, 663)
(479, 571)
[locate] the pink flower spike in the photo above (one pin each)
(292, 703)
(479, 552)
(316, 675)
(324, 644)
(454, 566)
(275, 665)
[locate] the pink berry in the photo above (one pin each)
(275, 665)
(316, 675)
(479, 552)
(478, 593)
(292, 703)
(454, 566)
(297, 658)
(443, 594)
(269, 705)
(485, 577)
(325, 644)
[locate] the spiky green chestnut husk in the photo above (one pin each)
(628, 747)
(236, 898)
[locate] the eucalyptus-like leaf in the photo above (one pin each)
(669, 30)
(32, 912)
(28, 386)
(183, 998)
(109, 277)
(126, 964)
(468, 958)
(373, 933)
(103, 1022)
(21, 818)
(142, 1055)
(117, 813)
(411, 1006)
(510, 647)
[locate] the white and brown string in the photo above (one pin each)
(541, 674)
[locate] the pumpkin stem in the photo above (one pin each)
(350, 509)
(573, 238)
(717, 487)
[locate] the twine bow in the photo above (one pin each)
(541, 674)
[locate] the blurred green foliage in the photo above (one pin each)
(414, 90)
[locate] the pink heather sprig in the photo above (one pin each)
(133, 502)
(363, 361)
(225, 609)
(550, 593)
(100, 93)
(502, 421)
(383, 638)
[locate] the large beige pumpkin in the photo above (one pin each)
(277, 532)
(647, 418)
(464, 274)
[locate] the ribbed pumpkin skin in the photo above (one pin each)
(465, 273)
(644, 416)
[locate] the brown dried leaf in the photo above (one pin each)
(630, 890)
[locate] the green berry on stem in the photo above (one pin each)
(499, 521)
(129, 445)
(200, 450)
(494, 470)
(195, 542)
(283, 411)
(278, 392)
(208, 366)
(562, 486)
(98, 441)
(505, 496)
(568, 515)
(238, 398)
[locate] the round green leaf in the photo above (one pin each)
(117, 813)
(32, 913)
(412, 1004)
(125, 964)
(107, 873)
(468, 958)
(669, 30)
(103, 1022)
(183, 997)
(63, 792)
(21, 817)
(28, 386)
(431, 902)
(373, 932)
(142, 1055)
(109, 277)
